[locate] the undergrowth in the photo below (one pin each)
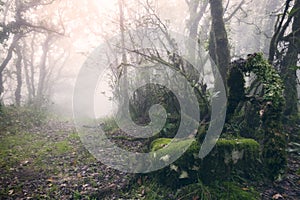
(16, 118)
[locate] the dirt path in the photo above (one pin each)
(56, 166)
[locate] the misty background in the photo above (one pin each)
(64, 33)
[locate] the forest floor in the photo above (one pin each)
(50, 162)
(289, 186)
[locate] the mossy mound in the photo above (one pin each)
(229, 157)
(235, 157)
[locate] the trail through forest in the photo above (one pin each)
(50, 162)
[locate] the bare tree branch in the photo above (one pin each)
(235, 11)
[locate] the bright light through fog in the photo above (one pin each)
(105, 4)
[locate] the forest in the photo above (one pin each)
(150, 99)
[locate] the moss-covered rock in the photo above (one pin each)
(182, 171)
(232, 157)
(229, 157)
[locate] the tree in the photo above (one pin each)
(19, 76)
(197, 10)
(16, 27)
(284, 51)
(218, 44)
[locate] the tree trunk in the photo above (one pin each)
(26, 74)
(6, 61)
(19, 76)
(193, 23)
(289, 65)
(123, 74)
(218, 45)
(42, 72)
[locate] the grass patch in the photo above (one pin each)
(108, 124)
(74, 136)
(148, 189)
(15, 148)
(14, 119)
(233, 191)
(62, 147)
(34, 150)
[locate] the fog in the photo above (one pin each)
(76, 28)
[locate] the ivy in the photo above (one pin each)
(268, 76)
(266, 107)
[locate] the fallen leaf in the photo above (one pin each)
(50, 180)
(25, 162)
(10, 192)
(277, 196)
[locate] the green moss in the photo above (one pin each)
(180, 172)
(274, 154)
(166, 146)
(232, 157)
(262, 112)
(273, 85)
(159, 143)
(238, 143)
(228, 158)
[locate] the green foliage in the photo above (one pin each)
(274, 142)
(194, 191)
(229, 158)
(159, 143)
(298, 172)
(233, 191)
(14, 150)
(13, 119)
(62, 147)
(170, 128)
(272, 100)
(148, 189)
(40, 154)
(272, 83)
(262, 114)
(152, 189)
(275, 155)
(78, 196)
(109, 124)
